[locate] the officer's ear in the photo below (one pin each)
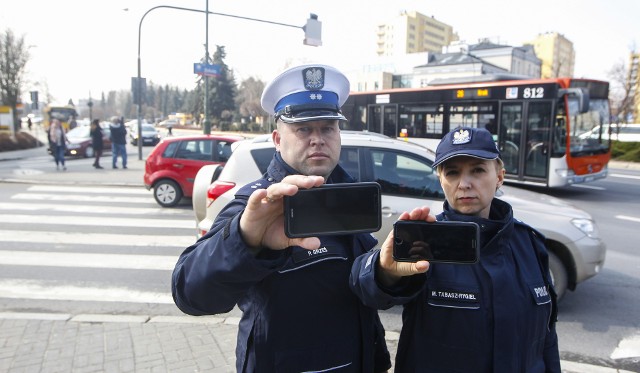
(275, 136)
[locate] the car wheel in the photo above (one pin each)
(559, 275)
(89, 153)
(167, 193)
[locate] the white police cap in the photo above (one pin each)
(305, 93)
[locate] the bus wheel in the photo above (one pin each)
(559, 275)
(167, 193)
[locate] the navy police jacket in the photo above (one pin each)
(298, 312)
(497, 315)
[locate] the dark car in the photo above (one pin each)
(150, 135)
(80, 142)
(171, 167)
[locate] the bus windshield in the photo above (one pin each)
(63, 113)
(586, 134)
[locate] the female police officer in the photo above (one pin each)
(497, 315)
(299, 314)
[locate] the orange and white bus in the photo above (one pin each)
(544, 128)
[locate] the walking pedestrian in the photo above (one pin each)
(57, 143)
(97, 141)
(118, 142)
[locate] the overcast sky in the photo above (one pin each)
(91, 46)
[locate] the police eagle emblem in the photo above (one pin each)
(461, 136)
(313, 78)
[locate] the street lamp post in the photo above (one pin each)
(206, 126)
(312, 37)
(90, 105)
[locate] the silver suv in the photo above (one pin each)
(405, 173)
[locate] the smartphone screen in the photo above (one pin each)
(333, 209)
(446, 241)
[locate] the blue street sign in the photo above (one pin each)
(206, 70)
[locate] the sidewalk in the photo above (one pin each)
(45, 342)
(79, 171)
(31, 342)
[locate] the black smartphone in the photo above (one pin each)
(442, 241)
(332, 209)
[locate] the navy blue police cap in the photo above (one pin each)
(472, 142)
(305, 93)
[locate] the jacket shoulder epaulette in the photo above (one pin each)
(535, 232)
(249, 188)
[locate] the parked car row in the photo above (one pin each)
(405, 173)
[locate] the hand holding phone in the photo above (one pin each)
(332, 209)
(441, 241)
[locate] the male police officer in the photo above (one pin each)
(299, 314)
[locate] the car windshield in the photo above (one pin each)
(79, 132)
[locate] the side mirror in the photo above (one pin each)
(582, 94)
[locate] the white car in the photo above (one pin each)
(150, 135)
(405, 173)
(619, 132)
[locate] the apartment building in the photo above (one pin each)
(413, 32)
(557, 54)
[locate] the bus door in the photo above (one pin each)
(383, 118)
(524, 138)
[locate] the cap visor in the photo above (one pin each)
(307, 116)
(475, 154)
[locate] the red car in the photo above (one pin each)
(172, 166)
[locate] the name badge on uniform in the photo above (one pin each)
(300, 256)
(451, 297)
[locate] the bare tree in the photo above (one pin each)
(14, 56)
(248, 98)
(620, 89)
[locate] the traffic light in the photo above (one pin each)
(34, 99)
(139, 89)
(313, 31)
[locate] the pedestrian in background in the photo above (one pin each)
(496, 315)
(57, 143)
(97, 141)
(118, 142)
(73, 123)
(299, 314)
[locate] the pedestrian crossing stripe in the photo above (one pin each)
(99, 221)
(88, 260)
(67, 238)
(48, 290)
